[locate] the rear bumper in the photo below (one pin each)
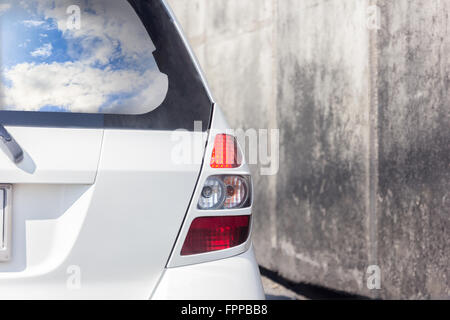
(235, 278)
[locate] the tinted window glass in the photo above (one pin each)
(82, 56)
(187, 101)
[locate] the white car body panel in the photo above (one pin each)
(53, 155)
(235, 278)
(118, 233)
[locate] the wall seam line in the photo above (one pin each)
(373, 144)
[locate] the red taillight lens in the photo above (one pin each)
(225, 152)
(216, 233)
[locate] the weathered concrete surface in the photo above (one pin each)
(414, 148)
(364, 119)
(323, 114)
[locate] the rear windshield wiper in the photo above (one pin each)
(10, 146)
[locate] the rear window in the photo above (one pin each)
(77, 56)
(97, 63)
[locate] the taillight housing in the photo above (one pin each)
(208, 234)
(225, 153)
(222, 195)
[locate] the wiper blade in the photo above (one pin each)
(10, 146)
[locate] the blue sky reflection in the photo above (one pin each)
(104, 64)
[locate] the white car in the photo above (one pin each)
(118, 178)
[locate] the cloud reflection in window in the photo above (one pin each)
(104, 65)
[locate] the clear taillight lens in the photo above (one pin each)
(225, 152)
(236, 190)
(225, 192)
(213, 194)
(209, 234)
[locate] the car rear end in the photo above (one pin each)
(130, 186)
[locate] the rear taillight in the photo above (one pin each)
(225, 194)
(209, 234)
(225, 152)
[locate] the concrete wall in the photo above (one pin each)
(364, 131)
(414, 148)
